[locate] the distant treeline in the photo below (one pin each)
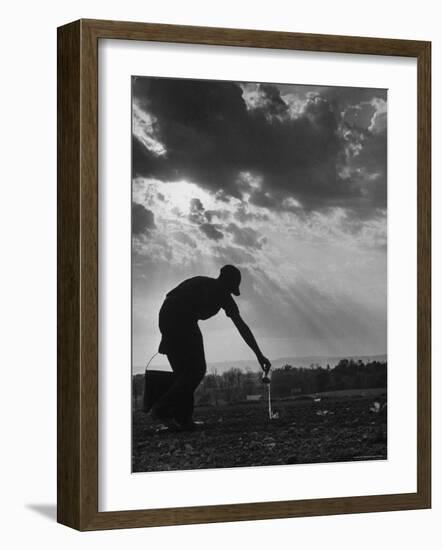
(235, 385)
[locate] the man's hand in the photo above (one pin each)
(265, 363)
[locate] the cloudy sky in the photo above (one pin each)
(287, 182)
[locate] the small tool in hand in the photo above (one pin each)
(266, 377)
(266, 380)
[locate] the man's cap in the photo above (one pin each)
(232, 276)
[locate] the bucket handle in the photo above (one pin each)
(150, 361)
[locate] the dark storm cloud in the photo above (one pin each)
(340, 97)
(246, 236)
(370, 164)
(211, 138)
(185, 238)
(274, 105)
(243, 215)
(203, 218)
(143, 219)
(359, 116)
(211, 231)
(219, 214)
(196, 214)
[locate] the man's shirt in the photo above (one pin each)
(202, 298)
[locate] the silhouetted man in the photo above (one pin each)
(195, 299)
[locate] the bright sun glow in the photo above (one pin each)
(179, 194)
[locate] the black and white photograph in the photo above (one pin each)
(259, 274)
(220, 275)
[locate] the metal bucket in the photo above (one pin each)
(156, 384)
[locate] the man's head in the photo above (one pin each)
(230, 277)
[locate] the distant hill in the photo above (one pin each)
(306, 362)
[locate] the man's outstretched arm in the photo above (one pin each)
(249, 339)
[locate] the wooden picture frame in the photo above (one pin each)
(78, 274)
